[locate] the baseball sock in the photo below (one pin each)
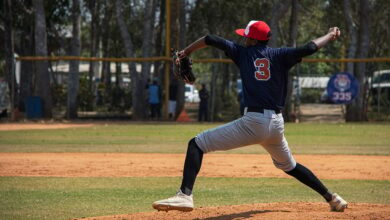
(305, 176)
(192, 166)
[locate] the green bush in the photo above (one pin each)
(113, 99)
(311, 95)
(2, 68)
(59, 95)
(85, 97)
(379, 112)
(229, 108)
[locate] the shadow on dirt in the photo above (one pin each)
(242, 215)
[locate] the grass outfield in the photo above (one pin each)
(64, 198)
(351, 138)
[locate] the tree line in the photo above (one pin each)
(136, 28)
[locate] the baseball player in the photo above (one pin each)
(264, 76)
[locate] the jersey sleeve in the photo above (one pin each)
(293, 56)
(231, 49)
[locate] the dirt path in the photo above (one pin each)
(283, 210)
(169, 165)
(44, 125)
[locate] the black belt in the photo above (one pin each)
(261, 110)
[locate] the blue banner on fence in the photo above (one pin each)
(342, 88)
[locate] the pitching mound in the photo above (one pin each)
(296, 210)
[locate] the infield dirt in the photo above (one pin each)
(170, 165)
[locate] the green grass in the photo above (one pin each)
(64, 198)
(350, 138)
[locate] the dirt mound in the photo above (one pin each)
(285, 210)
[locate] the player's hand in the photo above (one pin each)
(178, 57)
(334, 32)
(182, 54)
(177, 61)
(182, 67)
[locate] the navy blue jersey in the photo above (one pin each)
(263, 71)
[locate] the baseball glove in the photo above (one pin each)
(182, 68)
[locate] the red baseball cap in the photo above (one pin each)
(258, 30)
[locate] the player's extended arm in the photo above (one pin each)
(208, 40)
(314, 45)
(196, 45)
(332, 34)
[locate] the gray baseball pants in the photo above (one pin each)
(266, 129)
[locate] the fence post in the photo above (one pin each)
(13, 116)
(379, 96)
(298, 98)
(167, 54)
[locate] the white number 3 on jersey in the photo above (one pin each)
(262, 69)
